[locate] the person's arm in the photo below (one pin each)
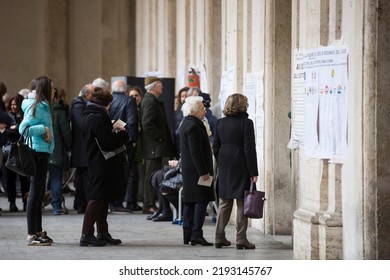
(132, 119)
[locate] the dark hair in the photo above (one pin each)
(178, 97)
(3, 89)
(101, 97)
(18, 100)
(42, 87)
(137, 89)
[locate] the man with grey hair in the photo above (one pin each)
(123, 107)
(156, 138)
(99, 82)
(78, 159)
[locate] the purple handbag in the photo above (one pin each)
(253, 202)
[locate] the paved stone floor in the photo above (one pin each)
(142, 240)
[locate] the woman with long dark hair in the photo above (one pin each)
(38, 120)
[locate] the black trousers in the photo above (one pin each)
(37, 189)
(81, 182)
(96, 212)
(194, 214)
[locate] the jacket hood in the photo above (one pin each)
(78, 100)
(27, 103)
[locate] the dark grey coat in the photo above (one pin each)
(156, 136)
(196, 160)
(235, 151)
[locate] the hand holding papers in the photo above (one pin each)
(206, 183)
(119, 125)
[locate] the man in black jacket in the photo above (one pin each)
(124, 107)
(156, 138)
(78, 158)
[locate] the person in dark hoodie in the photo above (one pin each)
(78, 159)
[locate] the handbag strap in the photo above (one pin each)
(253, 186)
(24, 138)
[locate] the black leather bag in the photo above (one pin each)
(21, 158)
(254, 202)
(172, 180)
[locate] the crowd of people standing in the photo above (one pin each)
(116, 139)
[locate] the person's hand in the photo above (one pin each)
(206, 177)
(173, 162)
(254, 178)
(47, 135)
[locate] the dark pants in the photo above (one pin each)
(11, 185)
(150, 195)
(81, 181)
(96, 212)
(37, 189)
(132, 184)
(194, 214)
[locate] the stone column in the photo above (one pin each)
(330, 228)
(56, 42)
(369, 130)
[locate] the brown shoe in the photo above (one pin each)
(245, 244)
(225, 242)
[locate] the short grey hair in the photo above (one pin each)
(99, 82)
(191, 105)
(151, 86)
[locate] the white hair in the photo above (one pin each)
(191, 105)
(99, 82)
(151, 86)
(119, 86)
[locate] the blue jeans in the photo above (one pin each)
(55, 182)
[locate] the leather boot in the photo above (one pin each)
(87, 240)
(245, 244)
(108, 238)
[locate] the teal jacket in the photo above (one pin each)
(37, 124)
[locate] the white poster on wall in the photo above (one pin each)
(297, 102)
(254, 91)
(326, 79)
(227, 86)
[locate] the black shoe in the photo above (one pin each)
(108, 238)
(201, 241)
(163, 218)
(80, 211)
(87, 240)
(120, 210)
(155, 215)
(13, 208)
(135, 207)
(43, 236)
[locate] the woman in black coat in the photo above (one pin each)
(197, 161)
(105, 176)
(235, 151)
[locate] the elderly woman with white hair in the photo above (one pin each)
(197, 163)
